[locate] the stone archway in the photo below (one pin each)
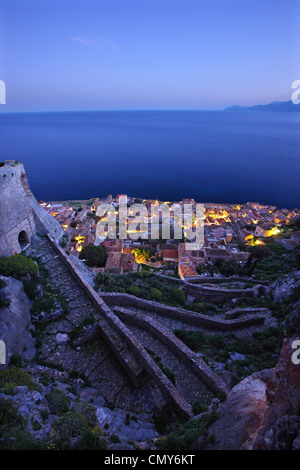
(23, 239)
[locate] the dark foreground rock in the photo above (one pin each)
(262, 411)
(15, 321)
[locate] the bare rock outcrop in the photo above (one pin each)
(262, 411)
(15, 321)
(242, 415)
(282, 421)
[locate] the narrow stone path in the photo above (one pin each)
(95, 361)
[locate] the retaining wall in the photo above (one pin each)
(138, 353)
(120, 299)
(200, 368)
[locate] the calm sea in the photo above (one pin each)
(212, 156)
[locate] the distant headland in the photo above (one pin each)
(277, 106)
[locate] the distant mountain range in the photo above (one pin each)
(280, 106)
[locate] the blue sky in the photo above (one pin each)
(147, 54)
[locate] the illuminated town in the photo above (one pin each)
(229, 231)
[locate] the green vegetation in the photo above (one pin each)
(50, 301)
(13, 377)
(17, 266)
(46, 304)
(93, 256)
(179, 296)
(12, 430)
(228, 268)
(184, 436)
(143, 253)
(80, 424)
(156, 294)
(64, 241)
(198, 407)
(261, 351)
(157, 359)
(91, 439)
(58, 402)
(205, 308)
(30, 288)
(281, 262)
(77, 331)
(93, 216)
(143, 284)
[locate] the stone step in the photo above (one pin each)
(170, 342)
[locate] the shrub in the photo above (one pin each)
(12, 430)
(179, 295)
(93, 256)
(15, 377)
(227, 268)
(164, 417)
(156, 294)
(90, 440)
(134, 290)
(190, 437)
(70, 425)
(58, 402)
(216, 340)
(198, 407)
(193, 339)
(204, 307)
(43, 304)
(17, 266)
(9, 414)
(30, 288)
(105, 279)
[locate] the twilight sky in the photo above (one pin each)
(147, 54)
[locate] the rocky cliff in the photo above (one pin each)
(262, 411)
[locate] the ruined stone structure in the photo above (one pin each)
(20, 214)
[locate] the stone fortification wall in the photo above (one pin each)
(20, 214)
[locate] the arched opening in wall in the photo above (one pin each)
(23, 239)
